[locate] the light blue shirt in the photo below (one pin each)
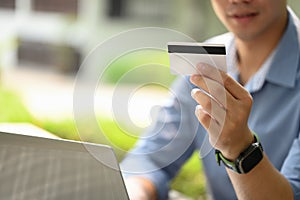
(275, 117)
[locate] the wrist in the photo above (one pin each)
(247, 159)
(233, 151)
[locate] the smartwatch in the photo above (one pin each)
(246, 161)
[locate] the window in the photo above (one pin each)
(61, 6)
(116, 8)
(7, 4)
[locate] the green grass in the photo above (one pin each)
(189, 181)
(140, 66)
(12, 108)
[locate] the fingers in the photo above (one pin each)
(211, 73)
(209, 105)
(220, 96)
(209, 123)
(213, 89)
(140, 188)
(224, 107)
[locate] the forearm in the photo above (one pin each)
(262, 182)
(224, 113)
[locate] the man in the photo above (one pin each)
(251, 114)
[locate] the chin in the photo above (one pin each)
(246, 35)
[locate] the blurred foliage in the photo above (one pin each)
(140, 66)
(189, 181)
(12, 108)
(64, 128)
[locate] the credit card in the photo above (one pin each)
(184, 57)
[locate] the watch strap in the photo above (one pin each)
(236, 164)
(220, 158)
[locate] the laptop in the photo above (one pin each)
(38, 168)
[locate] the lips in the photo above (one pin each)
(244, 15)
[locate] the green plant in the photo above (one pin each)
(189, 181)
(12, 109)
(140, 66)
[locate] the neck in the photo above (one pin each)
(251, 57)
(253, 53)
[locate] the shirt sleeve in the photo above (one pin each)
(291, 168)
(162, 150)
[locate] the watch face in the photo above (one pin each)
(251, 160)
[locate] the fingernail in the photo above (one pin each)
(202, 66)
(198, 108)
(195, 78)
(194, 91)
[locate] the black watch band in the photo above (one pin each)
(246, 161)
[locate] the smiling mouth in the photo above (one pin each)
(246, 15)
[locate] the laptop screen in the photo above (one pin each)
(40, 168)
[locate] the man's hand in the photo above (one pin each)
(223, 110)
(140, 189)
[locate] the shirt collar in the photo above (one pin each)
(286, 59)
(280, 67)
